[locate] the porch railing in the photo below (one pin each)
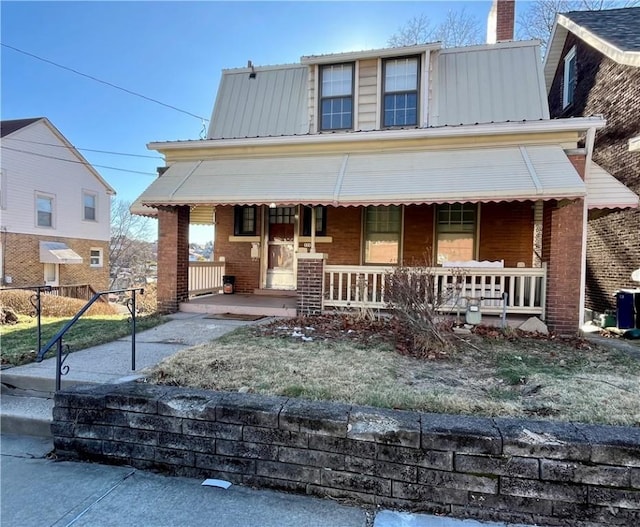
(205, 277)
(353, 285)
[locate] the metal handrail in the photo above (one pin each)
(57, 338)
(35, 301)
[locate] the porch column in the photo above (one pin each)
(562, 240)
(310, 279)
(173, 258)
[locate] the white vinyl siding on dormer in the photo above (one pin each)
(54, 171)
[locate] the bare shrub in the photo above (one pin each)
(51, 305)
(147, 302)
(419, 298)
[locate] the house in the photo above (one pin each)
(593, 67)
(55, 210)
(322, 175)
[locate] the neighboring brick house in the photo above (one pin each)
(55, 210)
(593, 67)
(322, 175)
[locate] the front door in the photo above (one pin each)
(51, 274)
(281, 247)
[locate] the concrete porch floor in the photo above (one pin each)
(243, 304)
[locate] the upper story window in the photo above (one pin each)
(400, 100)
(570, 78)
(44, 210)
(336, 97)
(89, 206)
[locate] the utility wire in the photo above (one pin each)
(130, 92)
(78, 162)
(83, 149)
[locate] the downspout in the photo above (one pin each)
(589, 142)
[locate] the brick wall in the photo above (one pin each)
(562, 250)
(418, 234)
(608, 88)
(310, 278)
(21, 254)
(173, 258)
(506, 232)
(505, 19)
(511, 470)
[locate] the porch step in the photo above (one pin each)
(276, 292)
(30, 416)
(212, 309)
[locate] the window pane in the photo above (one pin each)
(44, 211)
(401, 75)
(89, 207)
(454, 247)
(336, 113)
(401, 109)
(336, 80)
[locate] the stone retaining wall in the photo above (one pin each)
(511, 470)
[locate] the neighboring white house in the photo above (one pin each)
(55, 210)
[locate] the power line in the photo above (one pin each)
(130, 92)
(78, 162)
(83, 149)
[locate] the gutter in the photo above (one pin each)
(574, 124)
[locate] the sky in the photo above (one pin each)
(172, 52)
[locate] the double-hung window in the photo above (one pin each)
(336, 97)
(570, 78)
(44, 210)
(400, 100)
(382, 228)
(89, 206)
(456, 231)
(321, 221)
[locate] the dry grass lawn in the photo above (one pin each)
(495, 376)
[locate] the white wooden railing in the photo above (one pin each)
(205, 277)
(363, 286)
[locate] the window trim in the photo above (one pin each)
(95, 205)
(100, 257)
(322, 98)
(238, 220)
(50, 197)
(570, 57)
(384, 92)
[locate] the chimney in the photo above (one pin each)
(501, 21)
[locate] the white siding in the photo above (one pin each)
(35, 169)
(367, 87)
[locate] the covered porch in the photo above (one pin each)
(327, 224)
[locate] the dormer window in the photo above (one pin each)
(570, 78)
(400, 101)
(336, 97)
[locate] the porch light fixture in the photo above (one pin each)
(272, 205)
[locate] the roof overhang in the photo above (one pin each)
(58, 253)
(514, 173)
(332, 58)
(573, 124)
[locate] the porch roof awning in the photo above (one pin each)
(515, 173)
(605, 192)
(58, 253)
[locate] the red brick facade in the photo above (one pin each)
(173, 258)
(310, 278)
(608, 88)
(21, 255)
